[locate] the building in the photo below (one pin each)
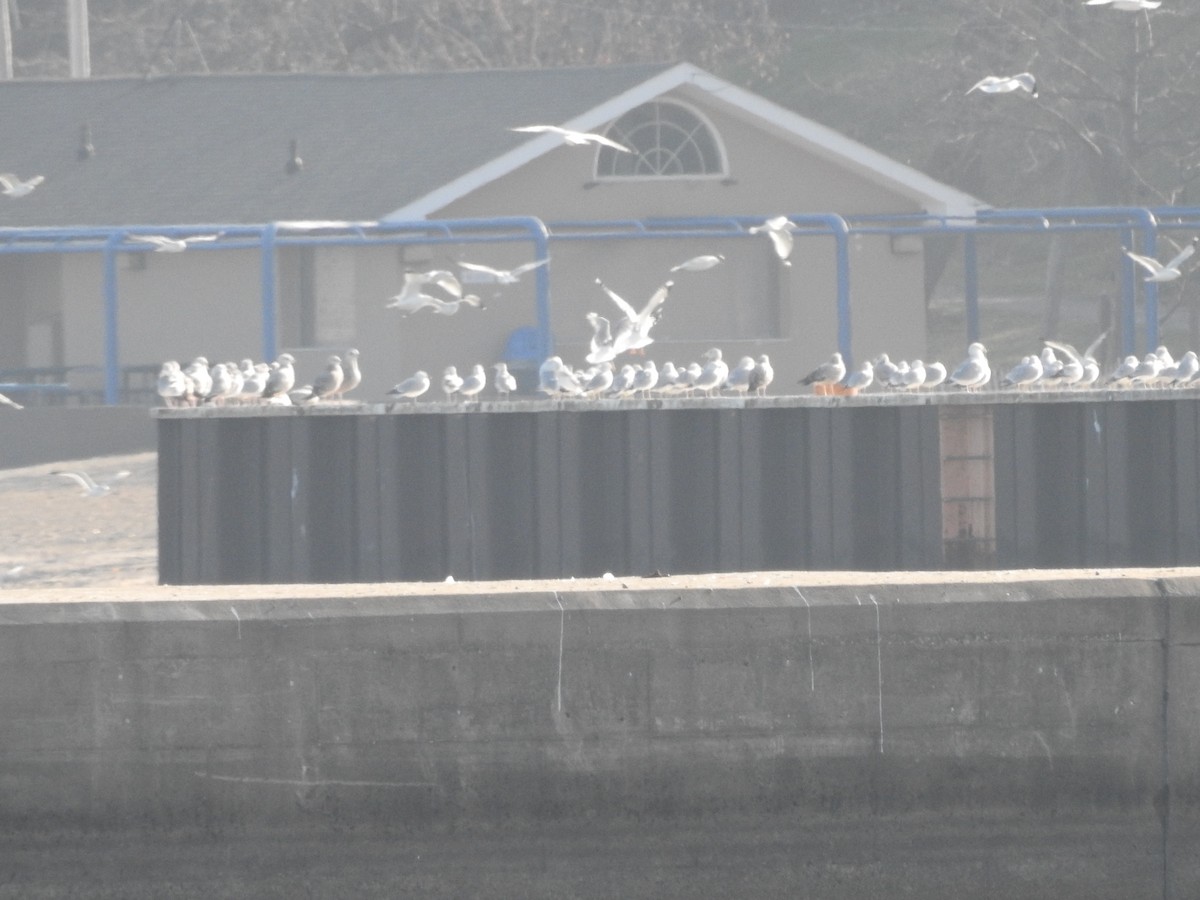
(211, 152)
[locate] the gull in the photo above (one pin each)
(473, 383)
(668, 379)
(555, 377)
(763, 375)
(699, 263)
(645, 379)
(1123, 372)
(779, 229)
(13, 404)
(633, 330)
(1051, 365)
(221, 385)
(411, 298)
(601, 381)
(860, 379)
(1089, 369)
(740, 375)
(505, 382)
(164, 244)
(913, 377)
(574, 138)
(173, 386)
(900, 371)
(885, 369)
(451, 382)
(714, 373)
(255, 382)
(1028, 371)
(351, 374)
(412, 387)
(1126, 5)
(450, 307)
(281, 378)
(503, 276)
(974, 371)
(600, 347)
(1161, 272)
(826, 375)
(1146, 372)
(935, 374)
(622, 385)
(1006, 84)
(201, 378)
(329, 382)
(1186, 369)
(91, 488)
(12, 186)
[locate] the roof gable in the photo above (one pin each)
(214, 148)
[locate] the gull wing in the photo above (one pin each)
(1186, 252)
(1149, 263)
(479, 267)
(629, 311)
(530, 266)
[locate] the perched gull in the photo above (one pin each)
(1160, 272)
(281, 378)
(13, 404)
(860, 379)
(173, 386)
(91, 488)
(12, 186)
(699, 263)
(762, 377)
(633, 330)
(826, 375)
(912, 378)
(412, 387)
(1186, 369)
(505, 382)
(714, 373)
(885, 369)
(164, 244)
(601, 380)
(351, 374)
(503, 276)
(1006, 84)
(622, 384)
(254, 382)
(474, 383)
(574, 138)
(1123, 371)
(221, 385)
(1025, 373)
(1126, 5)
(451, 382)
(645, 379)
(197, 371)
(555, 377)
(974, 371)
(935, 374)
(740, 375)
(329, 382)
(779, 229)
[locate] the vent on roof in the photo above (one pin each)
(86, 148)
(294, 163)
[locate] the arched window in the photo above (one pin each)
(668, 140)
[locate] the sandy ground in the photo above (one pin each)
(53, 535)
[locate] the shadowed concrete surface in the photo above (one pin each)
(1032, 736)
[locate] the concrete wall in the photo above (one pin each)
(1049, 707)
(54, 433)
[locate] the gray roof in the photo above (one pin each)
(213, 148)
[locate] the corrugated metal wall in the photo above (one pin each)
(547, 492)
(530, 490)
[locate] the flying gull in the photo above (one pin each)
(699, 263)
(12, 186)
(503, 276)
(1006, 84)
(1162, 272)
(574, 138)
(164, 244)
(633, 330)
(91, 488)
(779, 229)
(412, 298)
(10, 403)
(1126, 5)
